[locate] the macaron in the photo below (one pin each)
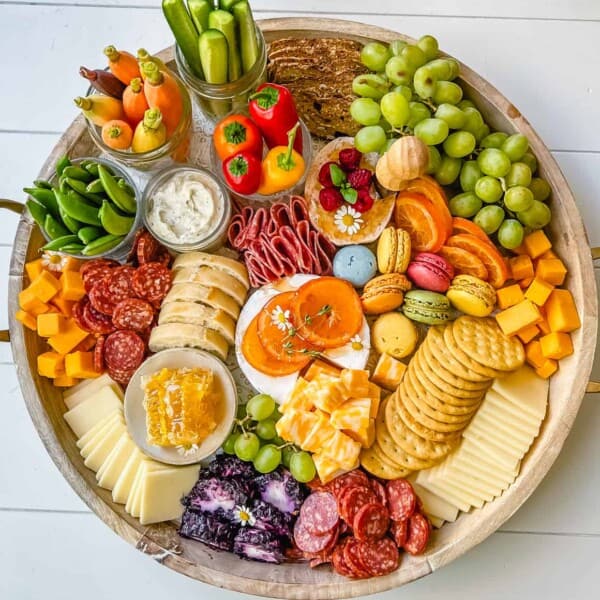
(394, 334)
(472, 295)
(431, 272)
(384, 293)
(426, 307)
(393, 250)
(356, 264)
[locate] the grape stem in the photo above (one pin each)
(286, 445)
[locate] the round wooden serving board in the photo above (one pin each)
(196, 560)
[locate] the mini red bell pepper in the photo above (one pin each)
(242, 172)
(237, 133)
(273, 109)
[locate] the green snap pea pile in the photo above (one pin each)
(88, 211)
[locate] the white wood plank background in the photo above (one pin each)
(543, 54)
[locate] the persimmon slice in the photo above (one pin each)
(415, 213)
(489, 256)
(462, 225)
(328, 312)
(434, 192)
(464, 262)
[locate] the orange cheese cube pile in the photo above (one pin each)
(331, 415)
(535, 308)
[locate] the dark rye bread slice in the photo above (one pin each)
(319, 73)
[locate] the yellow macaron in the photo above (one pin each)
(393, 250)
(384, 293)
(472, 295)
(394, 334)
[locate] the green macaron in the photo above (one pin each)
(426, 307)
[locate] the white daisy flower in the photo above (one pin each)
(244, 516)
(348, 220)
(281, 318)
(187, 450)
(356, 343)
(54, 261)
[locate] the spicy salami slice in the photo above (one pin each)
(419, 530)
(122, 377)
(401, 499)
(96, 321)
(371, 522)
(352, 556)
(380, 557)
(99, 354)
(147, 248)
(338, 560)
(356, 477)
(77, 313)
(151, 281)
(163, 257)
(319, 513)
(133, 313)
(379, 491)
(96, 270)
(308, 541)
(399, 531)
(353, 499)
(124, 350)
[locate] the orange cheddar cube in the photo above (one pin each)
(26, 319)
(556, 345)
(551, 270)
(85, 345)
(64, 381)
(51, 364)
(561, 312)
(364, 436)
(50, 323)
(320, 366)
(509, 296)
(388, 372)
(66, 340)
(80, 365)
(533, 354)
(521, 267)
(525, 283)
(31, 304)
(356, 382)
(45, 286)
(536, 243)
(70, 263)
(520, 250)
(513, 319)
(63, 306)
(528, 333)
(548, 255)
(34, 268)
(72, 285)
(547, 369)
(539, 291)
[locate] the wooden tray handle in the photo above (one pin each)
(593, 387)
(595, 253)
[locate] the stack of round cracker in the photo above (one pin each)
(444, 384)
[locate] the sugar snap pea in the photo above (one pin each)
(118, 195)
(124, 185)
(60, 242)
(45, 197)
(92, 168)
(89, 233)
(42, 183)
(76, 172)
(72, 248)
(54, 228)
(61, 164)
(78, 207)
(81, 188)
(37, 211)
(102, 244)
(71, 224)
(95, 187)
(113, 220)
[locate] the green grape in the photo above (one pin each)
(515, 146)
(374, 55)
(465, 104)
(396, 47)
(448, 170)
(459, 144)
(241, 411)
(432, 131)
(429, 45)
(370, 139)
(405, 90)
(365, 111)
(265, 430)
(276, 414)
(435, 160)
(464, 205)
(531, 161)
(518, 198)
(494, 140)
(489, 218)
(385, 126)
(447, 92)
(267, 459)
(519, 174)
(538, 215)
(414, 56)
(260, 407)
(370, 86)
(246, 446)
(302, 467)
(540, 188)
(395, 109)
(481, 132)
(286, 455)
(418, 112)
(452, 115)
(489, 189)
(493, 162)
(469, 175)
(473, 120)
(424, 82)
(510, 234)
(445, 69)
(278, 441)
(398, 71)
(389, 144)
(229, 443)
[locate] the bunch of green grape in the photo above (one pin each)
(412, 92)
(254, 439)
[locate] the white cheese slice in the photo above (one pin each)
(525, 389)
(477, 444)
(490, 474)
(95, 440)
(459, 502)
(435, 506)
(501, 439)
(147, 466)
(506, 433)
(481, 461)
(496, 400)
(110, 456)
(437, 523)
(82, 391)
(469, 482)
(495, 407)
(115, 463)
(86, 437)
(98, 455)
(124, 483)
(85, 415)
(162, 492)
(471, 497)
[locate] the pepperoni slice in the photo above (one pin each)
(371, 522)
(99, 354)
(147, 248)
(353, 499)
(380, 557)
(338, 560)
(419, 530)
(401, 499)
(77, 313)
(356, 477)
(152, 281)
(121, 377)
(164, 257)
(319, 513)
(96, 321)
(353, 559)
(379, 491)
(308, 541)
(399, 531)
(95, 270)
(133, 313)
(124, 351)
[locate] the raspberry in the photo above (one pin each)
(331, 199)
(325, 175)
(364, 202)
(360, 178)
(349, 159)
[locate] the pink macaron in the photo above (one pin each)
(431, 272)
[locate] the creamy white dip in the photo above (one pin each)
(186, 208)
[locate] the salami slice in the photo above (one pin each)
(401, 499)
(353, 499)
(319, 560)
(96, 321)
(353, 558)
(399, 531)
(147, 248)
(151, 281)
(419, 530)
(380, 557)
(319, 513)
(355, 477)
(94, 271)
(77, 313)
(379, 491)
(164, 257)
(133, 313)
(309, 542)
(371, 522)
(338, 561)
(99, 354)
(121, 377)
(298, 210)
(124, 350)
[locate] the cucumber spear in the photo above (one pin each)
(225, 23)
(249, 44)
(213, 55)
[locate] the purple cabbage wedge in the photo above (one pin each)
(226, 467)
(281, 490)
(217, 496)
(269, 518)
(212, 531)
(255, 544)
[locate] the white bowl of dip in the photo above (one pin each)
(187, 208)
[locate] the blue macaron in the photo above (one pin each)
(356, 264)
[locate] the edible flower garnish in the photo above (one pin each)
(244, 516)
(54, 261)
(356, 343)
(281, 318)
(348, 220)
(187, 450)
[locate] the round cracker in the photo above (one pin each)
(371, 462)
(464, 358)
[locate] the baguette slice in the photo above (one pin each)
(184, 335)
(194, 292)
(220, 263)
(210, 277)
(198, 314)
